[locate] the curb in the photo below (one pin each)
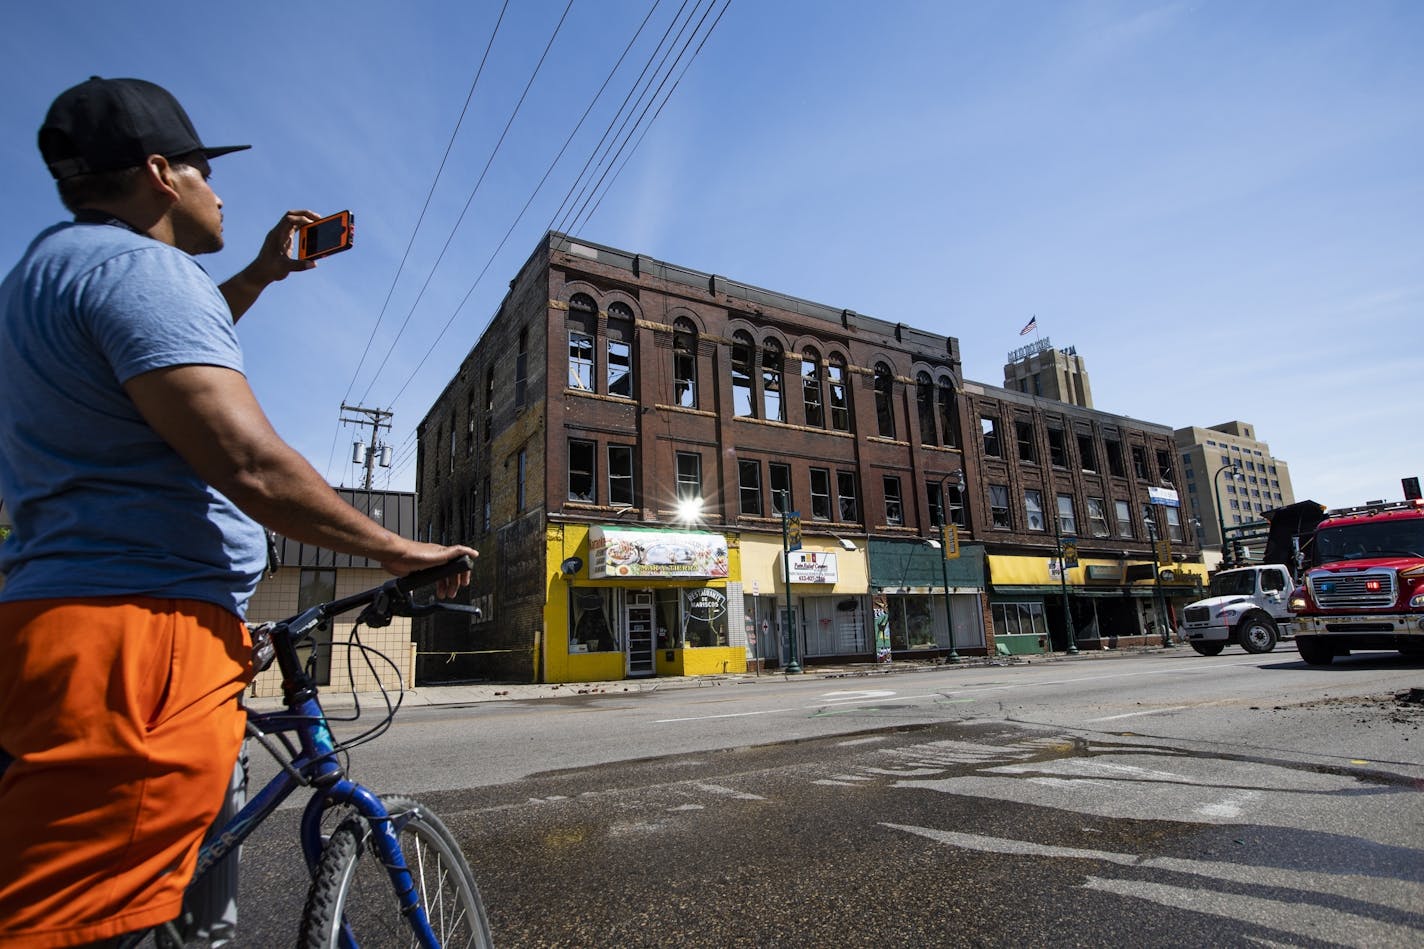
(478, 693)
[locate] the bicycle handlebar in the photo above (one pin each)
(431, 575)
(399, 588)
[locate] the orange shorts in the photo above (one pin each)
(122, 720)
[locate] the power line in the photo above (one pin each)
(471, 291)
(542, 181)
(575, 186)
(449, 145)
(468, 201)
(407, 454)
(649, 125)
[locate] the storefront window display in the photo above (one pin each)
(591, 622)
(911, 622)
(1015, 619)
(834, 626)
(692, 616)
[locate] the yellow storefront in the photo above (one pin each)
(630, 602)
(830, 607)
(1109, 600)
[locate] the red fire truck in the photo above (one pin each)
(1365, 588)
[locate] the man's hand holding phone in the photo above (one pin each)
(325, 236)
(273, 262)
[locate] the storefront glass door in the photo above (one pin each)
(638, 623)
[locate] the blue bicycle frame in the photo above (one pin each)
(313, 763)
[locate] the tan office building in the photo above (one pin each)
(1231, 477)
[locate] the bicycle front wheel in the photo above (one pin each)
(352, 902)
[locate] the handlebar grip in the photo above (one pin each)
(430, 575)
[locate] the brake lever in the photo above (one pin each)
(436, 606)
(380, 610)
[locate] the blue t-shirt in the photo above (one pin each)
(101, 505)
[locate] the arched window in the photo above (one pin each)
(684, 363)
(773, 362)
(583, 325)
(925, 405)
(811, 394)
(743, 351)
(949, 412)
(620, 350)
(884, 400)
(839, 394)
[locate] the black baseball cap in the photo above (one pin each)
(108, 124)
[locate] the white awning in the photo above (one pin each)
(616, 552)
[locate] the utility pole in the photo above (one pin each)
(367, 454)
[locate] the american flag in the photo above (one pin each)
(1029, 327)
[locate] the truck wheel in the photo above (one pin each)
(1315, 651)
(1257, 633)
(1209, 649)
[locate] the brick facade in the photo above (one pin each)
(743, 392)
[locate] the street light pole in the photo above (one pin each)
(1236, 475)
(944, 577)
(793, 667)
(944, 554)
(1157, 582)
(1063, 585)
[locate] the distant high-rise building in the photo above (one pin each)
(1040, 370)
(1226, 461)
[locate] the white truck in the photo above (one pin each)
(1248, 605)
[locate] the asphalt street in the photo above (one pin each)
(1146, 800)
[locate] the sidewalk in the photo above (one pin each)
(475, 693)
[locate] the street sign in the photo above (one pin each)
(949, 541)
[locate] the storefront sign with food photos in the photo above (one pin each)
(633, 552)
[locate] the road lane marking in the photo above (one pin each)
(1230, 807)
(856, 695)
(885, 701)
(703, 718)
(1150, 711)
(1382, 891)
(730, 792)
(1298, 918)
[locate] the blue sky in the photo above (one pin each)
(1220, 204)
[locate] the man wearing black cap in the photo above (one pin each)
(137, 466)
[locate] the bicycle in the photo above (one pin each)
(414, 887)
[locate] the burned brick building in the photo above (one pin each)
(627, 441)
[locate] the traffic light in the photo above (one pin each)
(1238, 552)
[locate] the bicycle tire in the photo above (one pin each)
(352, 885)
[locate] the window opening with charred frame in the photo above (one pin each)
(743, 352)
(684, 363)
(620, 350)
(821, 494)
(780, 485)
(582, 471)
(811, 392)
(773, 366)
(847, 497)
(1023, 434)
(925, 408)
(749, 487)
(999, 513)
(894, 507)
(884, 400)
(622, 489)
(839, 394)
